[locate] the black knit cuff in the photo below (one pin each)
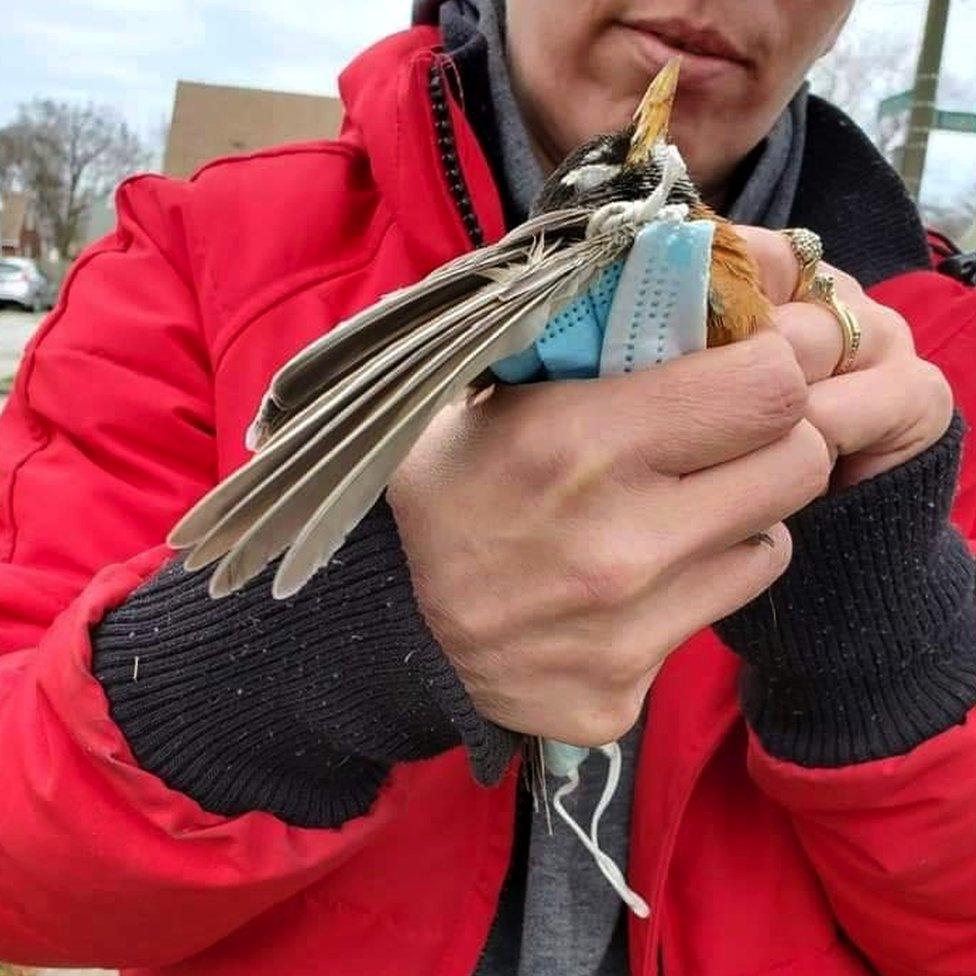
(298, 707)
(867, 645)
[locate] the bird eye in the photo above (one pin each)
(590, 176)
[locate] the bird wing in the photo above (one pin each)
(361, 338)
(342, 415)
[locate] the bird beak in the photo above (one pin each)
(653, 115)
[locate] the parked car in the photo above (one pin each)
(23, 283)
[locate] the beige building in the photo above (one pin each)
(216, 120)
(20, 233)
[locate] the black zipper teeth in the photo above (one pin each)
(450, 163)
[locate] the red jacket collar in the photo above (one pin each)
(389, 114)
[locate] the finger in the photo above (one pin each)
(736, 501)
(848, 288)
(817, 337)
(779, 267)
(698, 593)
(889, 330)
(713, 587)
(814, 335)
(884, 416)
(686, 415)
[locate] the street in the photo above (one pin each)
(15, 329)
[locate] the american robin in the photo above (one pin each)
(341, 416)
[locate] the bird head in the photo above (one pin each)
(625, 165)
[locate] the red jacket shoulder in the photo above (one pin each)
(247, 226)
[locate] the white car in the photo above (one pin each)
(23, 283)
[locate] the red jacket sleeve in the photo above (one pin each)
(105, 442)
(894, 841)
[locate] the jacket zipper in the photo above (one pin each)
(450, 162)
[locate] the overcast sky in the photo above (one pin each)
(129, 53)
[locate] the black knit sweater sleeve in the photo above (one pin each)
(296, 708)
(866, 647)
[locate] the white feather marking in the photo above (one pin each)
(591, 176)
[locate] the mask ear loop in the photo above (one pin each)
(606, 864)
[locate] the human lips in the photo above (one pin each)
(705, 51)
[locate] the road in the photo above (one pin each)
(15, 329)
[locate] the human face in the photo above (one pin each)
(579, 68)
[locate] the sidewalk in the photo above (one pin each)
(72, 972)
(20, 971)
(15, 329)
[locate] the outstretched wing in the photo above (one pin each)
(360, 339)
(343, 414)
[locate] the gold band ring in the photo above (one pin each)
(824, 291)
(808, 249)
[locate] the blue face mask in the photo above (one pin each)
(637, 313)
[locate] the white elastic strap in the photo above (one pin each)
(620, 213)
(591, 841)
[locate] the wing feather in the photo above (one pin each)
(330, 457)
(361, 337)
(342, 508)
(388, 419)
(216, 523)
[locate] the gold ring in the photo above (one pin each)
(808, 249)
(824, 290)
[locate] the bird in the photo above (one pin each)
(340, 417)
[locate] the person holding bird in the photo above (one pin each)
(569, 465)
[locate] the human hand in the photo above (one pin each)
(891, 406)
(565, 537)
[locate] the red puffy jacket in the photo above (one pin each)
(132, 401)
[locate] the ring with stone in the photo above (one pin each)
(808, 248)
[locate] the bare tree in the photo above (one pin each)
(9, 180)
(69, 157)
(857, 77)
(158, 140)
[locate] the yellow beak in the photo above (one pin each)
(653, 115)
